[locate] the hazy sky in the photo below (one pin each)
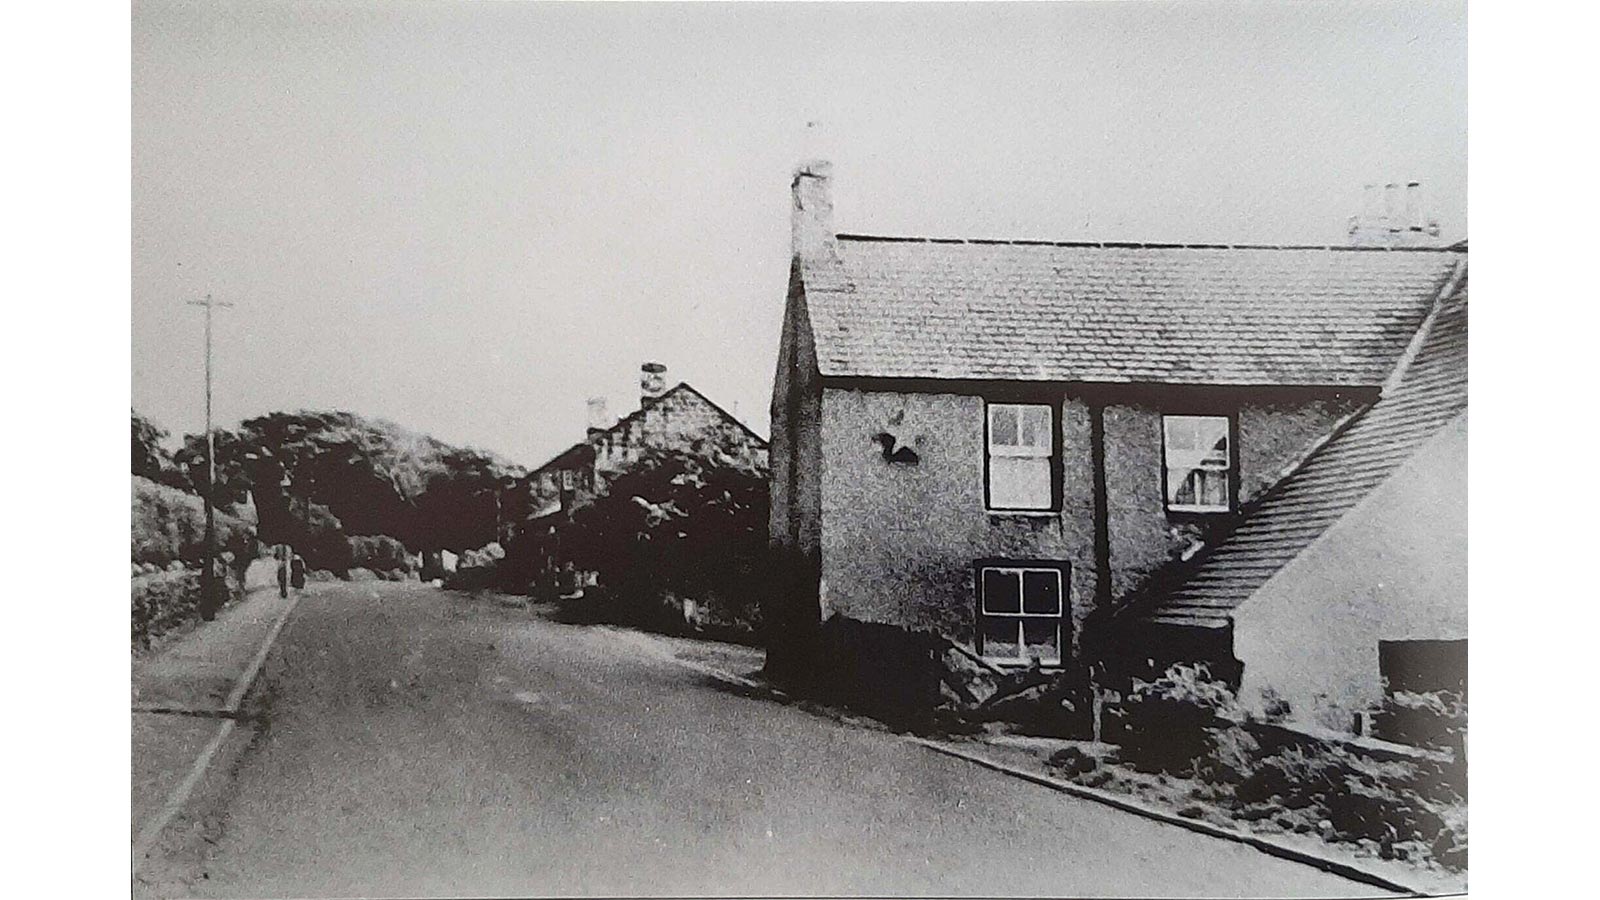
(468, 218)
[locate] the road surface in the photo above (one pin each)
(420, 742)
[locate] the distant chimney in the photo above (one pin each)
(598, 420)
(652, 383)
(811, 219)
(1400, 222)
(1413, 206)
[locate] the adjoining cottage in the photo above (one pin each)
(677, 420)
(990, 439)
(1348, 578)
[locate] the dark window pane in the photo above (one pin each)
(1181, 486)
(1041, 592)
(1001, 592)
(1000, 637)
(1042, 638)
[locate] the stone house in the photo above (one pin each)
(992, 439)
(1349, 577)
(679, 419)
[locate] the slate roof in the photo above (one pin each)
(575, 453)
(1162, 313)
(1430, 392)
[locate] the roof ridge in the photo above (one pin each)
(633, 416)
(1182, 577)
(1143, 245)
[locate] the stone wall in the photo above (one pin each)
(790, 613)
(796, 449)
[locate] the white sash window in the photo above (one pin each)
(1020, 613)
(1199, 463)
(1021, 449)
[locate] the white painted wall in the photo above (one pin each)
(1393, 568)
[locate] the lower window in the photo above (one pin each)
(1021, 608)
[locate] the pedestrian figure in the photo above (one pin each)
(297, 571)
(283, 570)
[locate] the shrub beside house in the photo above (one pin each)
(657, 518)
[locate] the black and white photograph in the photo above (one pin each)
(799, 449)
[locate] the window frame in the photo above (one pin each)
(1231, 472)
(1053, 458)
(1063, 571)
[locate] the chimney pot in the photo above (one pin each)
(1369, 203)
(1414, 205)
(652, 383)
(1391, 212)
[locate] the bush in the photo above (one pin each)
(1387, 802)
(1426, 718)
(1290, 774)
(676, 525)
(1168, 725)
(1074, 762)
(1232, 757)
(380, 553)
(169, 526)
(471, 578)
(1040, 703)
(487, 556)
(168, 600)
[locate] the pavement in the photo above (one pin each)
(405, 740)
(183, 690)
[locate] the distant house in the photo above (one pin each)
(991, 439)
(680, 419)
(1350, 573)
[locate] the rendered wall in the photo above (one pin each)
(795, 451)
(1270, 436)
(899, 541)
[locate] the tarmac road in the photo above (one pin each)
(421, 742)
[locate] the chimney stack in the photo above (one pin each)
(1369, 202)
(811, 217)
(598, 421)
(1400, 222)
(1391, 211)
(652, 383)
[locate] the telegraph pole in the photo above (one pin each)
(208, 576)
